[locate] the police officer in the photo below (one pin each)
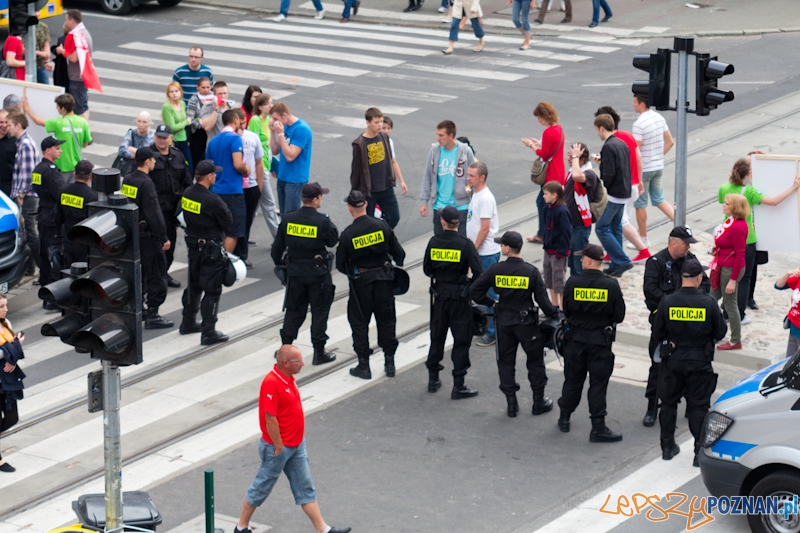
(593, 306)
(662, 276)
(207, 218)
(447, 260)
(171, 177)
(365, 253)
(307, 269)
(47, 183)
(687, 326)
(153, 241)
(73, 207)
(517, 284)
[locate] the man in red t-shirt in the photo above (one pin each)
(14, 54)
(628, 231)
(283, 444)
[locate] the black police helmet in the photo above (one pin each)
(553, 335)
(401, 282)
(481, 315)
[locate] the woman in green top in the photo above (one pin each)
(259, 124)
(737, 184)
(173, 114)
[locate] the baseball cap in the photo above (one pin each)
(356, 199)
(692, 268)
(49, 142)
(205, 167)
(684, 233)
(143, 154)
(312, 190)
(83, 168)
(593, 251)
(449, 214)
(511, 239)
(163, 131)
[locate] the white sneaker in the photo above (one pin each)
(279, 18)
(746, 320)
(320, 15)
(631, 246)
(447, 21)
(442, 9)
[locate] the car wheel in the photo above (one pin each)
(784, 486)
(116, 7)
(169, 3)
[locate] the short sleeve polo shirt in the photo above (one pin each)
(280, 397)
(220, 150)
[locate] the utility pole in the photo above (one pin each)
(30, 48)
(112, 449)
(684, 46)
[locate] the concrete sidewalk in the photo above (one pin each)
(633, 19)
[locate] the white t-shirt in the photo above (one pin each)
(649, 130)
(483, 205)
(252, 150)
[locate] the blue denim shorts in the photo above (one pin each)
(294, 462)
(652, 187)
(78, 91)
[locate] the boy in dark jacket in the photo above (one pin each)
(557, 240)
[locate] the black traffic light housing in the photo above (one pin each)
(18, 18)
(708, 96)
(74, 308)
(656, 88)
(113, 283)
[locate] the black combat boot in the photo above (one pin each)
(513, 406)
(321, 356)
(153, 320)
(388, 365)
(461, 391)
(541, 404)
(412, 6)
(601, 433)
(669, 449)
(696, 461)
(651, 415)
(212, 337)
(563, 422)
(434, 383)
(362, 370)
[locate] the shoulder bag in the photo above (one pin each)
(124, 164)
(539, 168)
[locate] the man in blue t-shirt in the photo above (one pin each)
(188, 75)
(291, 138)
(226, 151)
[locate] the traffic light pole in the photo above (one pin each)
(30, 48)
(112, 449)
(684, 46)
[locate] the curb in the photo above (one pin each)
(500, 31)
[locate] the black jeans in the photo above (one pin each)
(388, 204)
(154, 272)
(9, 414)
(251, 198)
(744, 284)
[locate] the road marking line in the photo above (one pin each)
(472, 73)
(155, 96)
(385, 109)
(379, 13)
(101, 150)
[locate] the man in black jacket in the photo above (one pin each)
(46, 182)
(615, 171)
(73, 207)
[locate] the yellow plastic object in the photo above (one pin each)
(76, 528)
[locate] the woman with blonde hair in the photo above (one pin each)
(11, 375)
(173, 114)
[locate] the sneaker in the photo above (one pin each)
(617, 273)
(631, 246)
(447, 21)
(5, 467)
(279, 18)
(607, 259)
(746, 320)
(729, 346)
(485, 341)
(442, 10)
(320, 15)
(245, 530)
(644, 255)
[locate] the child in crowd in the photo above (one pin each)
(388, 125)
(791, 280)
(557, 241)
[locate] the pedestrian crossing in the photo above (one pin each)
(301, 57)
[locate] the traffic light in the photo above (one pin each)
(113, 283)
(18, 18)
(656, 88)
(74, 308)
(709, 71)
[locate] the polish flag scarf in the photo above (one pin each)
(581, 200)
(88, 73)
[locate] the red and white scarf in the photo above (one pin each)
(88, 73)
(581, 199)
(722, 228)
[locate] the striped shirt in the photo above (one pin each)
(188, 79)
(25, 161)
(649, 130)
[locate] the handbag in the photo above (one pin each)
(762, 257)
(715, 270)
(124, 164)
(598, 205)
(6, 71)
(539, 167)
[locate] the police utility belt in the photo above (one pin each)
(668, 349)
(318, 260)
(525, 314)
(445, 288)
(199, 244)
(607, 334)
(357, 271)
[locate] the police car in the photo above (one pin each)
(751, 446)
(14, 251)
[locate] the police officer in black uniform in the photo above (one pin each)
(517, 284)
(593, 306)
(662, 276)
(47, 183)
(447, 260)
(171, 177)
(73, 207)
(207, 217)
(365, 253)
(306, 269)
(153, 241)
(687, 326)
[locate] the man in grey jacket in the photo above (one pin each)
(446, 170)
